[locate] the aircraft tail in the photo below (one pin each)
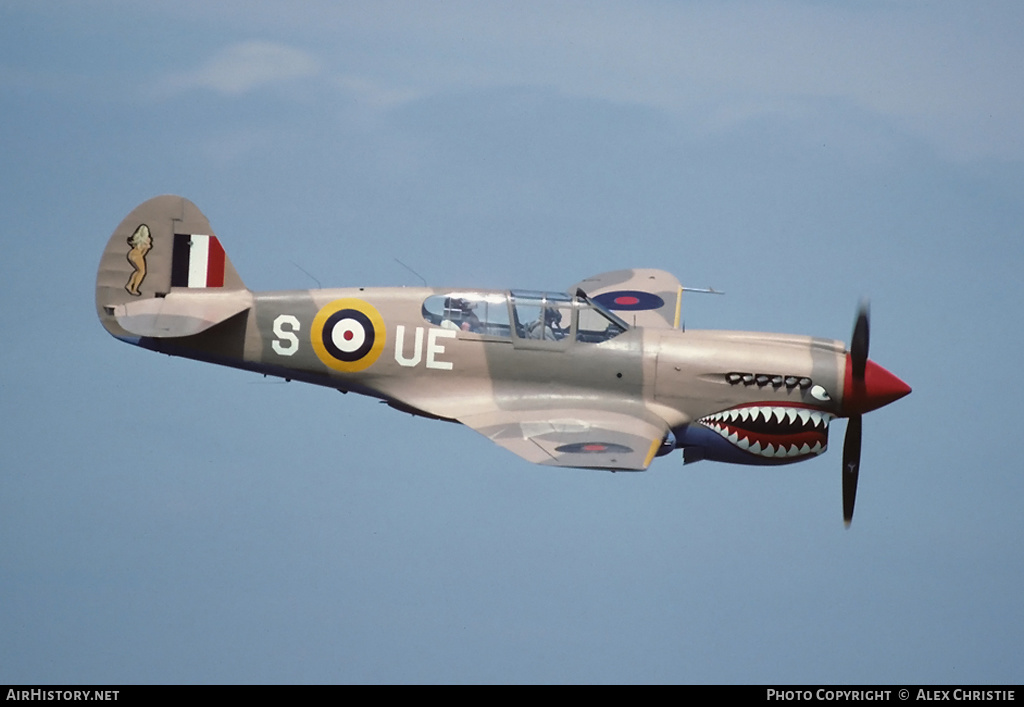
(165, 274)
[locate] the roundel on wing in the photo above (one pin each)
(348, 335)
(593, 448)
(629, 300)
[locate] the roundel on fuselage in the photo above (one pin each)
(348, 335)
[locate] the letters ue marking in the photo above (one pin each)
(434, 349)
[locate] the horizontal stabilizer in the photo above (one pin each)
(180, 313)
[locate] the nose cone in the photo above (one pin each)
(878, 388)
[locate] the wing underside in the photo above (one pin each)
(574, 437)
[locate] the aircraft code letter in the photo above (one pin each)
(286, 343)
(434, 349)
(417, 348)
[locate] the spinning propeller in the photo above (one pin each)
(868, 386)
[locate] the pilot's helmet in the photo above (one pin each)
(552, 316)
(456, 305)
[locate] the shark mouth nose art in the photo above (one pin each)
(773, 431)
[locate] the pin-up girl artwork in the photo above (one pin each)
(141, 242)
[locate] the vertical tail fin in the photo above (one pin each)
(165, 274)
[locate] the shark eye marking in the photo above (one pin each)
(773, 431)
(820, 393)
(775, 379)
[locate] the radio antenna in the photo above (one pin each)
(319, 286)
(412, 271)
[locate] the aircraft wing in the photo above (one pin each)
(645, 298)
(594, 439)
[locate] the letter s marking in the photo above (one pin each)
(286, 343)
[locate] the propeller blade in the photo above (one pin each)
(859, 342)
(851, 445)
(851, 466)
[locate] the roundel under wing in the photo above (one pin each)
(641, 297)
(629, 300)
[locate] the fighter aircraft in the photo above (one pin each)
(600, 376)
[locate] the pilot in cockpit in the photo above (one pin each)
(548, 327)
(459, 315)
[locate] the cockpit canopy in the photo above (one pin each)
(524, 314)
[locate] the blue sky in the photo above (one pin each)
(167, 521)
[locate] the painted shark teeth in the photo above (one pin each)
(769, 413)
(773, 431)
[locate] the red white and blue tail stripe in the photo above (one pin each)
(198, 261)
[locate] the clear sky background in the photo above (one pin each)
(163, 520)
